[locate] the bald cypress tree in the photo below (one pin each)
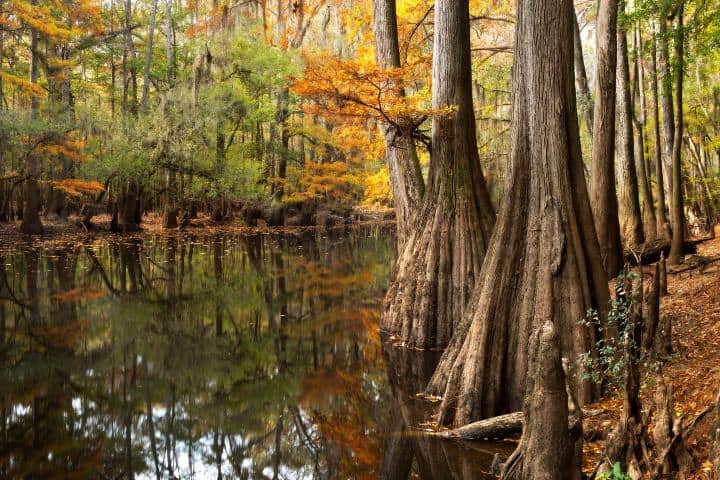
(543, 263)
(440, 262)
(403, 164)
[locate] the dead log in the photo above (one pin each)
(503, 426)
(495, 428)
(652, 252)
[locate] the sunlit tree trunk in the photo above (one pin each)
(678, 205)
(583, 89)
(543, 263)
(148, 56)
(666, 99)
(437, 269)
(663, 226)
(648, 208)
(405, 176)
(629, 205)
(171, 201)
(282, 116)
(170, 42)
(602, 180)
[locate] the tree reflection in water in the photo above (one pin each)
(410, 454)
(206, 357)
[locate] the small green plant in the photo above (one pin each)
(615, 474)
(609, 363)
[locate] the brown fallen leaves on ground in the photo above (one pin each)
(693, 304)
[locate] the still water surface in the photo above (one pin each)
(211, 357)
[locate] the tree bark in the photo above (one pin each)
(437, 269)
(602, 179)
(663, 226)
(547, 448)
(171, 200)
(587, 106)
(630, 216)
(648, 210)
(31, 223)
(128, 205)
(148, 56)
(128, 68)
(666, 99)
(169, 42)
(544, 261)
(405, 175)
(678, 207)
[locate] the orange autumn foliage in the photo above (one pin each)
(80, 293)
(77, 187)
(332, 182)
(344, 427)
(23, 85)
(354, 89)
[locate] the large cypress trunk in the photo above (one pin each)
(602, 180)
(630, 215)
(544, 261)
(442, 257)
(405, 175)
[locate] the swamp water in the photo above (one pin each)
(211, 356)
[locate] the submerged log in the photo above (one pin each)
(503, 426)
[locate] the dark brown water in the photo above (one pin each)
(211, 357)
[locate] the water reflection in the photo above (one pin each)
(209, 357)
(408, 452)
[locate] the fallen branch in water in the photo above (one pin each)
(502, 426)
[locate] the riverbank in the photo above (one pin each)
(693, 305)
(71, 229)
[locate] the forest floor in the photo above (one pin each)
(693, 303)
